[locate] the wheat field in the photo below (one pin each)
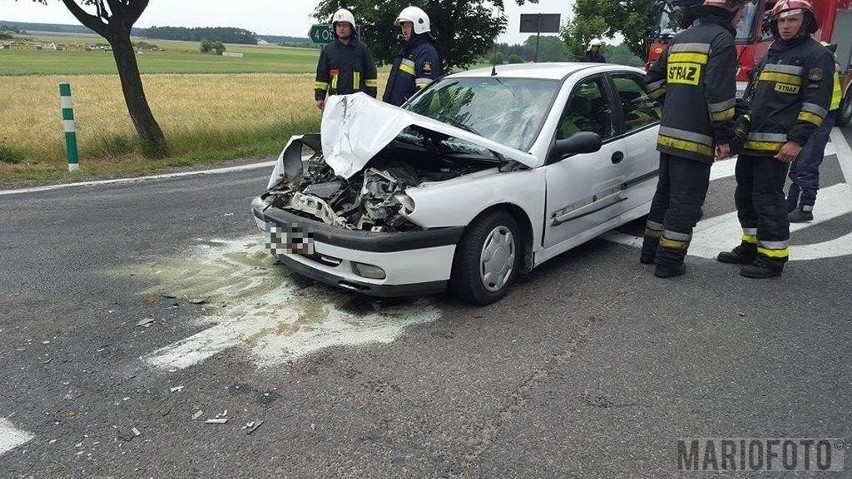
(181, 103)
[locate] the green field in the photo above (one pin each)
(177, 57)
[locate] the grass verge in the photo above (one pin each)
(121, 156)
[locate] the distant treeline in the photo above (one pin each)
(18, 27)
(213, 34)
(280, 40)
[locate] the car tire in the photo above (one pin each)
(487, 259)
(844, 114)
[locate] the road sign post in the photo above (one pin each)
(539, 23)
(70, 128)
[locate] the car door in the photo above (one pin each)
(640, 119)
(585, 190)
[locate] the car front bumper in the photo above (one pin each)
(417, 262)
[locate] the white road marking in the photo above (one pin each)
(257, 306)
(844, 154)
(230, 169)
(725, 168)
(12, 437)
(721, 233)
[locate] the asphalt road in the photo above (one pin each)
(591, 367)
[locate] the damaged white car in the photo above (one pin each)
(481, 176)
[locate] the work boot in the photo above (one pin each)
(761, 268)
(649, 249)
(662, 271)
(799, 215)
(745, 253)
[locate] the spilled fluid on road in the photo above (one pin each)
(274, 314)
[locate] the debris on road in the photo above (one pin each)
(252, 426)
(176, 389)
(197, 414)
(127, 434)
(221, 420)
(146, 322)
(136, 431)
(71, 414)
(197, 300)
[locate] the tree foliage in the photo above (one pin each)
(214, 34)
(608, 18)
(465, 30)
(113, 20)
(216, 48)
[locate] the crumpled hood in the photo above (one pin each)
(356, 127)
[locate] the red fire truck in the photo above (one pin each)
(753, 38)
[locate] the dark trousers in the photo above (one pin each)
(676, 208)
(760, 201)
(804, 172)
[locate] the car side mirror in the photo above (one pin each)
(580, 142)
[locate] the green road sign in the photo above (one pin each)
(320, 33)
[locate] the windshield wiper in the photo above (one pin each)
(457, 124)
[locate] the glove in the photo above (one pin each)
(742, 107)
(740, 134)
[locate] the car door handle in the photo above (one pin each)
(617, 157)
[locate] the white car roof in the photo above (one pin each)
(550, 71)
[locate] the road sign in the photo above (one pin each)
(540, 23)
(320, 33)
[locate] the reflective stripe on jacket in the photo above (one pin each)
(695, 77)
(792, 95)
(345, 68)
(414, 68)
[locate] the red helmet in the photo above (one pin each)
(784, 8)
(791, 6)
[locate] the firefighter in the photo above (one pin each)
(593, 53)
(804, 172)
(417, 64)
(696, 78)
(345, 65)
(791, 99)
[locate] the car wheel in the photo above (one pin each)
(487, 259)
(844, 115)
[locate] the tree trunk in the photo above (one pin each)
(134, 95)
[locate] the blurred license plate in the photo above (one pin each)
(288, 239)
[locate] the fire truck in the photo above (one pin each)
(753, 36)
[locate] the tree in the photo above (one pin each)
(217, 48)
(550, 48)
(606, 18)
(113, 20)
(465, 30)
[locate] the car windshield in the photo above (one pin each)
(507, 110)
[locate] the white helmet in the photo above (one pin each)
(417, 17)
(343, 15)
(594, 43)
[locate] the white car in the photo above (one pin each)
(481, 176)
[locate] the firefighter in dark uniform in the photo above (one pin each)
(791, 99)
(696, 76)
(345, 65)
(804, 172)
(417, 65)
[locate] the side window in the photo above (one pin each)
(588, 109)
(639, 110)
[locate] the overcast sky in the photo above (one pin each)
(271, 17)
